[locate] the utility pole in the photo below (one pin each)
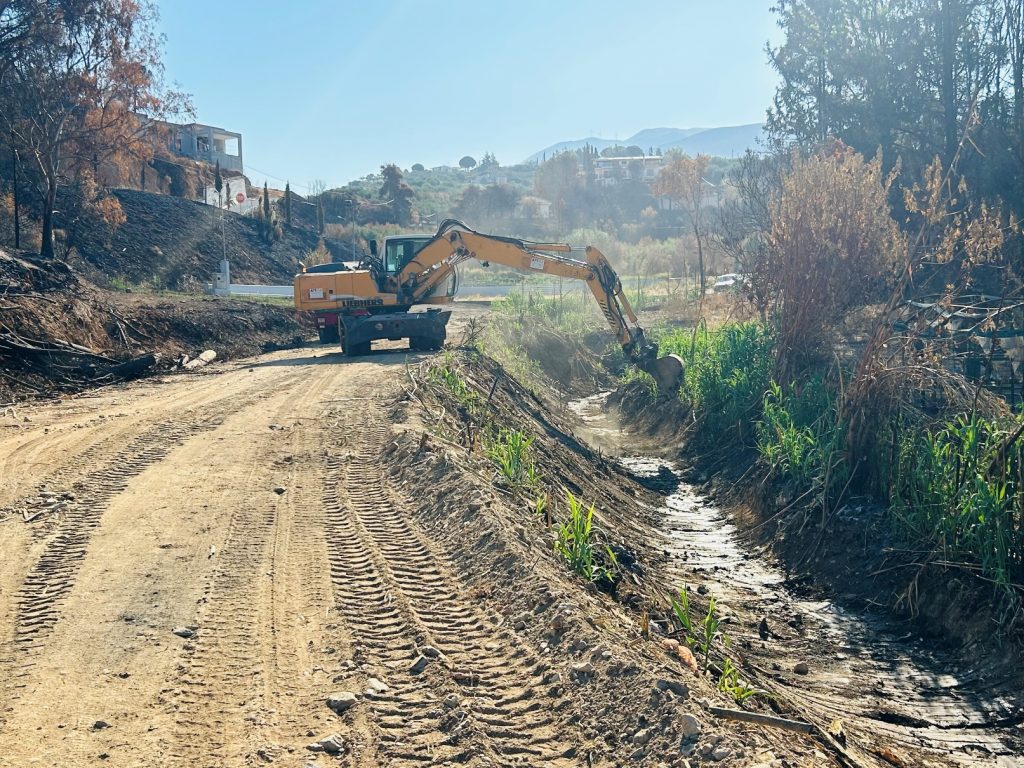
(352, 226)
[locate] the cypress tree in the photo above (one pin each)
(268, 224)
(218, 183)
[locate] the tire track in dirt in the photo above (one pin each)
(223, 702)
(53, 574)
(408, 717)
(300, 640)
(252, 682)
(50, 579)
(69, 445)
(413, 603)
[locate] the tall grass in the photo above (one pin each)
(511, 452)
(448, 375)
(961, 487)
(801, 438)
(571, 312)
(956, 487)
(575, 542)
(728, 372)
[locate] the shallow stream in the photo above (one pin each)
(900, 699)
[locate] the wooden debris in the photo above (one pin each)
(759, 719)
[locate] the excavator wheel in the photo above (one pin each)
(426, 343)
(352, 350)
(359, 350)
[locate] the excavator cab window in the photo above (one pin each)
(398, 253)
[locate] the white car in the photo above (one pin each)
(725, 282)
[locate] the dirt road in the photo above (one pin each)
(192, 566)
(244, 506)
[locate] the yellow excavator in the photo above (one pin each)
(358, 303)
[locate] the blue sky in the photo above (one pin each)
(331, 89)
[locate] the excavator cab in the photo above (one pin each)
(399, 251)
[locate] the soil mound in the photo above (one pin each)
(59, 332)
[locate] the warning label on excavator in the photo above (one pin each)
(316, 293)
(536, 263)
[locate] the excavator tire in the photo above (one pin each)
(427, 343)
(328, 335)
(357, 350)
(352, 350)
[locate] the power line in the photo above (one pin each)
(278, 178)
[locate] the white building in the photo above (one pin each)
(612, 170)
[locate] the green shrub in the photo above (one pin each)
(509, 450)
(731, 683)
(574, 541)
(702, 635)
(681, 608)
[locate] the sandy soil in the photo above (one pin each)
(250, 508)
(191, 565)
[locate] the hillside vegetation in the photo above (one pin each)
(167, 242)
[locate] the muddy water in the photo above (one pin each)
(900, 699)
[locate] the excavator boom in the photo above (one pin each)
(373, 303)
(455, 242)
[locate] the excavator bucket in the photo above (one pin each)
(667, 372)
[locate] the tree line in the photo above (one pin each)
(913, 79)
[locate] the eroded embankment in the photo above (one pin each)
(875, 694)
(60, 333)
(895, 696)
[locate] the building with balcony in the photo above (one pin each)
(206, 144)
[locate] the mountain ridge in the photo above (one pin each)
(721, 141)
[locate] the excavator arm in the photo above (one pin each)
(456, 243)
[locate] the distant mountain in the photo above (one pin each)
(727, 141)
(661, 137)
(568, 146)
